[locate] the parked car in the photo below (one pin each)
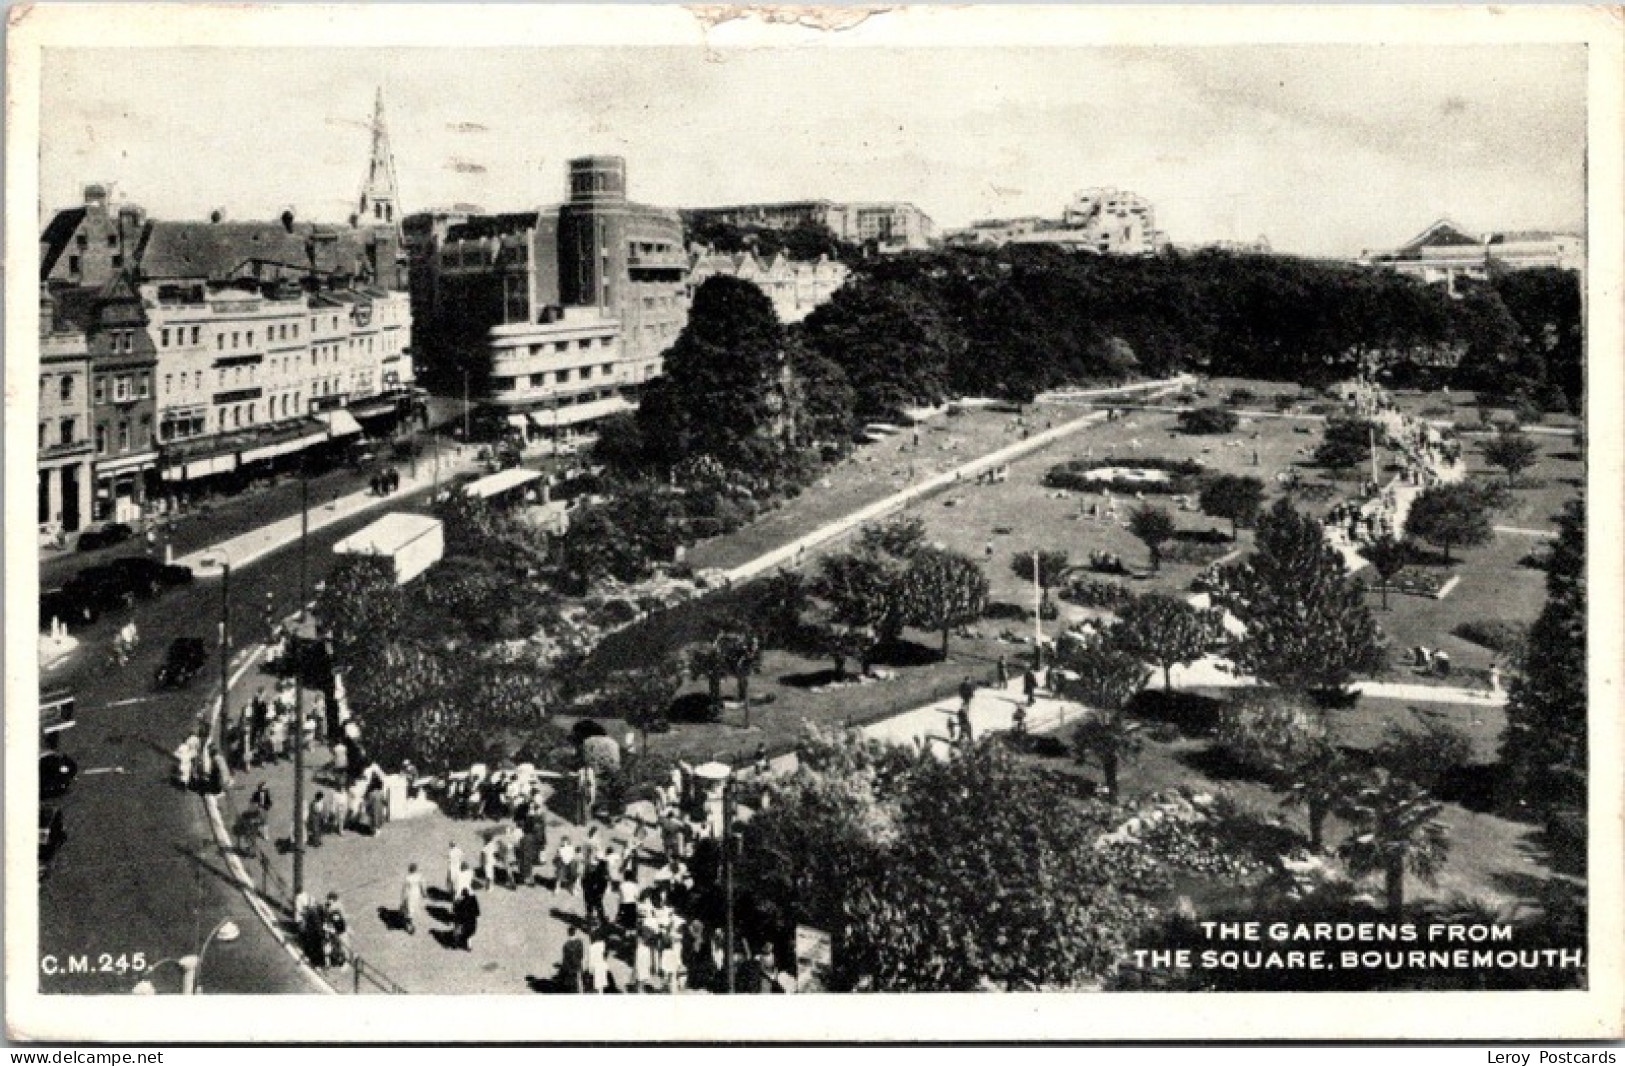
(182, 662)
(56, 774)
(59, 605)
(52, 835)
(103, 588)
(148, 576)
(105, 536)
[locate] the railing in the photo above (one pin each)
(366, 971)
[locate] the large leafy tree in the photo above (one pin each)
(1513, 452)
(361, 606)
(863, 589)
(1387, 556)
(1234, 497)
(894, 339)
(1308, 626)
(1449, 516)
(1544, 745)
(1165, 630)
(1154, 527)
(723, 388)
(741, 655)
(1049, 567)
(641, 696)
(1319, 780)
(1395, 831)
(943, 589)
(992, 883)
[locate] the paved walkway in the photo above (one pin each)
(1214, 672)
(788, 553)
(258, 543)
(1518, 531)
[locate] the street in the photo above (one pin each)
(139, 872)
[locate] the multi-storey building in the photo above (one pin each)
(890, 226)
(1445, 253)
(66, 470)
(794, 287)
(262, 338)
(503, 291)
(1102, 221)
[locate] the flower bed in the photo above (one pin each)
(1179, 476)
(1204, 833)
(1413, 582)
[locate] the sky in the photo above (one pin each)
(1324, 150)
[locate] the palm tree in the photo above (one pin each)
(1320, 784)
(1395, 831)
(1111, 739)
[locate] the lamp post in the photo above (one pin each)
(465, 405)
(728, 874)
(298, 835)
(191, 966)
(1038, 617)
(225, 637)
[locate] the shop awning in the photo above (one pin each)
(500, 482)
(518, 421)
(283, 447)
(340, 423)
(214, 464)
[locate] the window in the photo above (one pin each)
(559, 346)
(66, 428)
(67, 388)
(296, 331)
(118, 261)
(586, 373)
(169, 384)
(250, 341)
(112, 240)
(163, 338)
(101, 439)
(608, 369)
(82, 241)
(222, 377)
(124, 435)
(235, 337)
(73, 264)
(564, 375)
(197, 379)
(584, 342)
(121, 388)
(42, 436)
(144, 385)
(251, 414)
(196, 330)
(146, 432)
(538, 380)
(220, 341)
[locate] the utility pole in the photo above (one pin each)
(466, 438)
(1038, 616)
(297, 641)
(225, 643)
(728, 873)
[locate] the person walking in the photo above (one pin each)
(564, 867)
(411, 899)
(1029, 686)
(598, 958)
(454, 866)
(466, 914)
(573, 963)
(594, 884)
(967, 692)
(316, 820)
(1002, 671)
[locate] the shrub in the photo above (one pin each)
(601, 753)
(1267, 733)
(1097, 593)
(1208, 420)
(1428, 756)
(1184, 475)
(1284, 401)
(1192, 551)
(1239, 397)
(1500, 635)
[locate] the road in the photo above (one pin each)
(139, 871)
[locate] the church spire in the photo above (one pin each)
(379, 196)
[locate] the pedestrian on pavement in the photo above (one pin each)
(261, 799)
(411, 899)
(573, 963)
(488, 861)
(466, 914)
(598, 958)
(316, 820)
(627, 917)
(965, 736)
(454, 866)
(465, 879)
(1002, 669)
(761, 758)
(1029, 686)
(594, 884)
(591, 847)
(564, 867)
(587, 790)
(967, 692)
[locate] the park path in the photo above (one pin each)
(788, 553)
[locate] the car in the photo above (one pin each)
(185, 657)
(59, 605)
(56, 774)
(52, 834)
(105, 536)
(102, 588)
(149, 577)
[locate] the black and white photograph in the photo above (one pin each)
(1087, 509)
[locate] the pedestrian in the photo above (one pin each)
(761, 758)
(466, 915)
(627, 915)
(591, 848)
(411, 899)
(594, 884)
(1003, 671)
(465, 879)
(965, 736)
(598, 958)
(587, 790)
(317, 820)
(261, 799)
(488, 861)
(454, 864)
(572, 972)
(564, 866)
(967, 692)
(1029, 686)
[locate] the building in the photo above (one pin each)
(1446, 252)
(794, 287)
(890, 227)
(66, 444)
(1101, 221)
(545, 313)
(263, 339)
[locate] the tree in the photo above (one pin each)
(1544, 745)
(943, 589)
(863, 589)
(1208, 420)
(1270, 732)
(1511, 451)
(1307, 624)
(642, 696)
(1387, 556)
(1109, 739)
(841, 641)
(1448, 516)
(1236, 497)
(360, 606)
(1046, 909)
(899, 538)
(1321, 782)
(1108, 678)
(1051, 569)
(706, 660)
(1164, 630)
(741, 655)
(723, 387)
(1154, 527)
(1395, 831)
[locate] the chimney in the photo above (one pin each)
(287, 220)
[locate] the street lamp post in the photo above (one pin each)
(225, 641)
(298, 835)
(191, 965)
(728, 874)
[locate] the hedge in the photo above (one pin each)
(1184, 476)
